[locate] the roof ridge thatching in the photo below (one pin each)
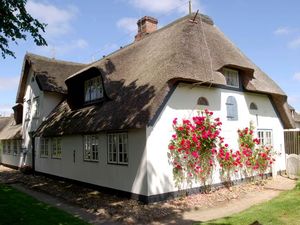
(30, 55)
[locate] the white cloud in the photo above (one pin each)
(297, 76)
(53, 50)
(164, 6)
(6, 109)
(294, 43)
(284, 31)
(58, 19)
(128, 24)
(9, 83)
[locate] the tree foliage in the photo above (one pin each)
(16, 23)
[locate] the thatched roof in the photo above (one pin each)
(139, 77)
(3, 122)
(49, 73)
(10, 130)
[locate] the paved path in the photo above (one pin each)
(272, 190)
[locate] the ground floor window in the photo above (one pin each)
(56, 148)
(4, 147)
(91, 149)
(12, 147)
(265, 137)
(44, 147)
(118, 148)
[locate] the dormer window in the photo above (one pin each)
(93, 89)
(232, 77)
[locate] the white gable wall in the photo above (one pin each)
(182, 104)
(47, 102)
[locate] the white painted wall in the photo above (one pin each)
(131, 178)
(47, 102)
(182, 104)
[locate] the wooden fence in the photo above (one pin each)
(292, 141)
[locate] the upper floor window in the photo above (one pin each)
(202, 101)
(91, 152)
(36, 103)
(93, 89)
(232, 110)
(232, 77)
(28, 109)
(117, 148)
(253, 106)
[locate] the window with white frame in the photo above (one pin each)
(28, 109)
(8, 147)
(19, 146)
(265, 137)
(56, 148)
(44, 147)
(15, 147)
(93, 89)
(4, 146)
(118, 148)
(232, 77)
(36, 103)
(91, 148)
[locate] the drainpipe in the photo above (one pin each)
(31, 134)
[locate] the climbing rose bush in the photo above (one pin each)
(229, 160)
(193, 147)
(254, 157)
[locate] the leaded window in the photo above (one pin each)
(91, 148)
(56, 148)
(232, 77)
(118, 148)
(93, 89)
(44, 147)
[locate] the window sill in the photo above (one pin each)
(117, 164)
(55, 157)
(90, 160)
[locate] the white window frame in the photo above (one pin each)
(8, 147)
(232, 78)
(265, 136)
(44, 147)
(56, 152)
(15, 147)
(4, 146)
(91, 148)
(117, 148)
(93, 89)
(19, 144)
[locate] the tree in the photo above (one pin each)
(16, 23)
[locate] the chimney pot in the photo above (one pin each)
(146, 25)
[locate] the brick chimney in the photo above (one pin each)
(146, 25)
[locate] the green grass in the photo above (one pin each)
(21, 209)
(284, 209)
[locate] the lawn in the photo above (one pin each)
(20, 209)
(284, 209)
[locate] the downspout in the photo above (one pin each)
(31, 134)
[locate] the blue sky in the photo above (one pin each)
(268, 32)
